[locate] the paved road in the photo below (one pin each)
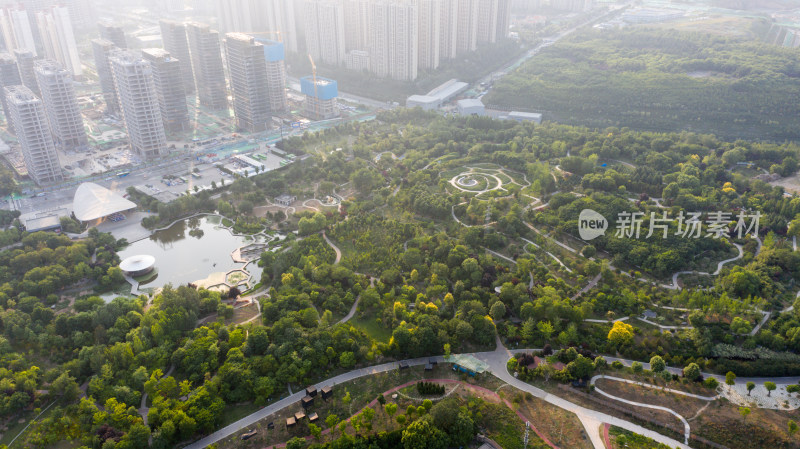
(335, 248)
(497, 365)
(294, 399)
(496, 254)
(592, 284)
(352, 311)
(497, 362)
(686, 429)
(655, 387)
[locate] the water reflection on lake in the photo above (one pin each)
(191, 250)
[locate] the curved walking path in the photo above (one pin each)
(588, 320)
(143, 408)
(496, 359)
(686, 427)
(335, 248)
(485, 391)
(352, 311)
(496, 254)
(560, 262)
(720, 265)
(661, 326)
(655, 387)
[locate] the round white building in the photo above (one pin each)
(138, 265)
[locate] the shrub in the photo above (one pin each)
(617, 364)
(711, 383)
(428, 388)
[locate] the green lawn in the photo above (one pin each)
(15, 427)
(373, 329)
(234, 413)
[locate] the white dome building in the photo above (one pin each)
(93, 203)
(135, 266)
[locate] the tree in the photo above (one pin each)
(66, 386)
(390, 409)
(750, 386)
(316, 431)
(401, 419)
(498, 310)
(528, 331)
(792, 427)
(347, 398)
(589, 251)
(367, 415)
(740, 326)
(581, 367)
(296, 443)
(621, 333)
(770, 386)
(637, 367)
(421, 434)
(427, 404)
(744, 411)
(347, 359)
(546, 329)
(691, 371)
(730, 378)
(657, 364)
(446, 350)
(331, 421)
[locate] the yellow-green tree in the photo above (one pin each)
(621, 333)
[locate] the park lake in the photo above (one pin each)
(193, 250)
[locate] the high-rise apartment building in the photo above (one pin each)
(429, 24)
(25, 60)
(247, 69)
(394, 39)
(356, 24)
(448, 29)
(38, 150)
(275, 55)
(173, 35)
(102, 49)
(486, 26)
(571, 5)
(503, 18)
(9, 76)
(81, 12)
(357, 60)
(58, 38)
(113, 33)
(237, 15)
(272, 19)
(467, 26)
(16, 28)
(209, 75)
(136, 90)
(168, 80)
(324, 28)
(61, 105)
(281, 22)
